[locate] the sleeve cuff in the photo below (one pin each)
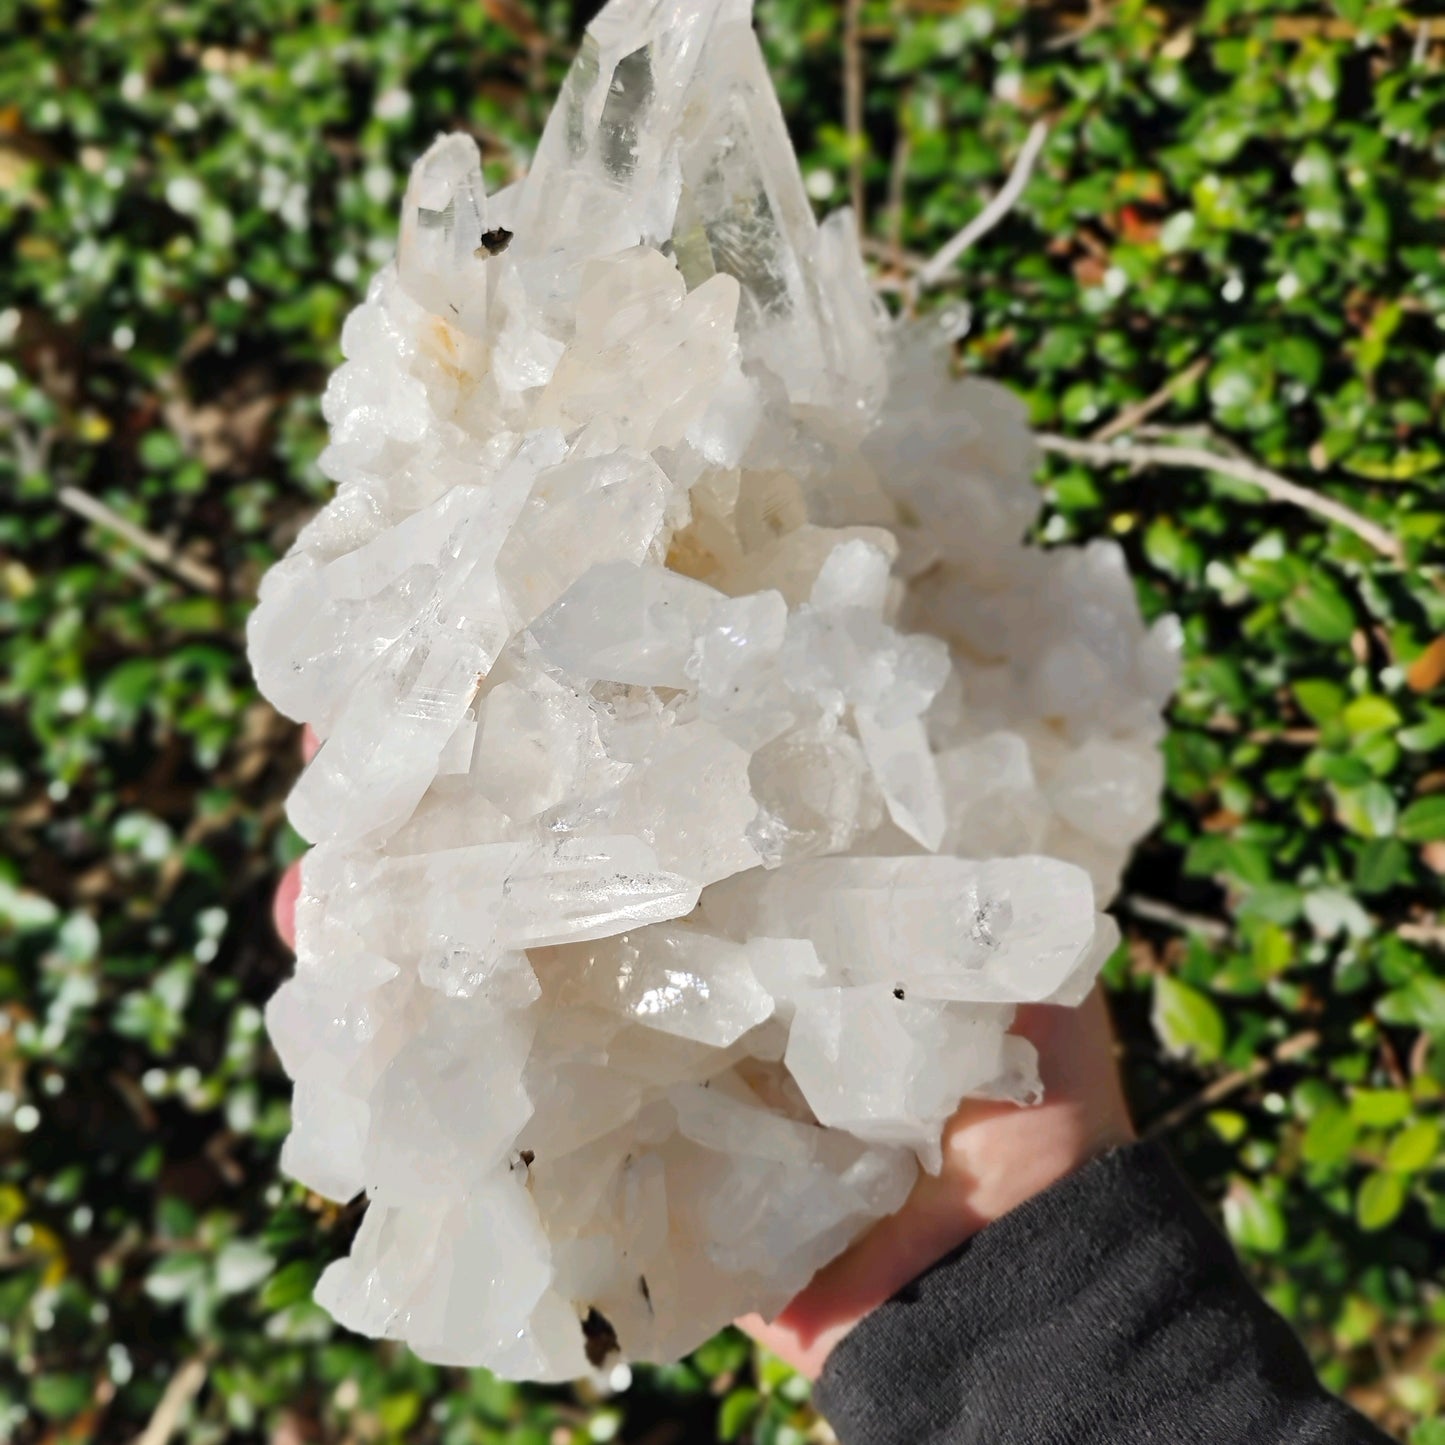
(1108, 1310)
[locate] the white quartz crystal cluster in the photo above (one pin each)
(708, 768)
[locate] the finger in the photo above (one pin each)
(784, 1343)
(310, 743)
(995, 1156)
(1078, 1054)
(939, 1215)
(283, 909)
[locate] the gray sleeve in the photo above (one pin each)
(1107, 1311)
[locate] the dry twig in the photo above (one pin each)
(517, 20)
(1429, 934)
(184, 1386)
(153, 548)
(1141, 411)
(897, 180)
(125, 564)
(1231, 1083)
(1099, 16)
(1420, 50)
(1152, 910)
(1309, 27)
(1274, 486)
(853, 105)
(999, 207)
(884, 252)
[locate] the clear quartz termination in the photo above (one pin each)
(708, 768)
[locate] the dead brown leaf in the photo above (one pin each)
(1427, 671)
(513, 16)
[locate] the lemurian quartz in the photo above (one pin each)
(708, 767)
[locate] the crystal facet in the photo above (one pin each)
(708, 768)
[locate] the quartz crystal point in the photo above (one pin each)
(708, 768)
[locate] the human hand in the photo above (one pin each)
(283, 906)
(995, 1157)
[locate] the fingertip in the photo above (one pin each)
(782, 1341)
(283, 910)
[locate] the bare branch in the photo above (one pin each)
(1274, 486)
(184, 1386)
(1420, 50)
(897, 181)
(1153, 910)
(1287, 737)
(853, 106)
(124, 563)
(1429, 934)
(908, 262)
(1308, 27)
(887, 285)
(1141, 411)
(992, 214)
(517, 20)
(1229, 1084)
(1099, 15)
(195, 574)
(32, 451)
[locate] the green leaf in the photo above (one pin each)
(126, 692)
(1187, 1022)
(399, 1412)
(1369, 810)
(1332, 911)
(1171, 550)
(1329, 1136)
(1357, 1322)
(25, 911)
(1230, 1125)
(1379, 1200)
(1322, 699)
(1233, 384)
(1379, 1108)
(1272, 950)
(1380, 864)
(175, 1277)
(242, 1265)
(1418, 1003)
(1300, 357)
(1379, 752)
(1321, 611)
(1371, 350)
(1371, 714)
(737, 1413)
(1254, 1221)
(160, 450)
(1424, 820)
(1345, 769)
(725, 1354)
(1389, 464)
(60, 1396)
(1426, 736)
(1278, 902)
(1414, 1148)
(290, 1284)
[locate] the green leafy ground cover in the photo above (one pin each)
(1239, 197)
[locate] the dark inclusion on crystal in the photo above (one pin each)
(494, 242)
(600, 1339)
